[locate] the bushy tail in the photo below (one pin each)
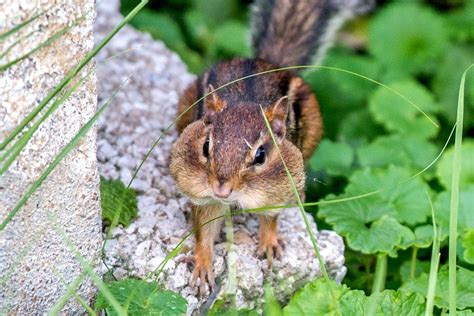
(298, 32)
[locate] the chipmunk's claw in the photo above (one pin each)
(205, 275)
(272, 248)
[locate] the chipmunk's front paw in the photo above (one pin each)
(203, 271)
(272, 247)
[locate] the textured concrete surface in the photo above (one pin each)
(35, 263)
(126, 132)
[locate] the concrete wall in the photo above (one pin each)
(36, 264)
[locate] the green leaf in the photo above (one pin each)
(468, 244)
(221, 307)
(464, 289)
(358, 127)
(445, 166)
(112, 194)
(421, 267)
(314, 299)
(399, 116)
(216, 12)
(465, 212)
(160, 25)
(335, 158)
(377, 223)
(405, 151)
(391, 302)
(197, 28)
(410, 44)
(460, 23)
(446, 82)
(139, 297)
(231, 39)
(271, 305)
(352, 91)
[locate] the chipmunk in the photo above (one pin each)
(224, 155)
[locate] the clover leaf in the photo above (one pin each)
(378, 223)
(401, 151)
(411, 44)
(335, 158)
(464, 287)
(398, 115)
(115, 197)
(445, 166)
(139, 297)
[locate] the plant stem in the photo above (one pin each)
(413, 262)
(380, 273)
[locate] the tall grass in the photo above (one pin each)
(454, 205)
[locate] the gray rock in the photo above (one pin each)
(134, 121)
(36, 264)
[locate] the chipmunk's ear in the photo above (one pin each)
(276, 115)
(213, 105)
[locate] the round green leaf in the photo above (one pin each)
(138, 297)
(401, 151)
(116, 198)
(376, 223)
(335, 158)
(445, 166)
(398, 115)
(465, 211)
(407, 36)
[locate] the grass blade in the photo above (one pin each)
(17, 28)
(71, 74)
(435, 255)
(87, 267)
(454, 205)
(64, 152)
(13, 152)
(50, 40)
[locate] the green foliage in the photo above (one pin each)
(220, 307)
(465, 287)
(407, 37)
(117, 200)
(314, 299)
(408, 151)
(443, 169)
(380, 222)
(138, 297)
(201, 32)
(335, 158)
(465, 215)
(468, 244)
(398, 116)
(446, 81)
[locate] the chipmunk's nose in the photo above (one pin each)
(222, 190)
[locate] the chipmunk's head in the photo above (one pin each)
(229, 156)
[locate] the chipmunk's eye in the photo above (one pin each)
(259, 156)
(205, 148)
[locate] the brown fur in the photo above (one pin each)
(231, 119)
(288, 32)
